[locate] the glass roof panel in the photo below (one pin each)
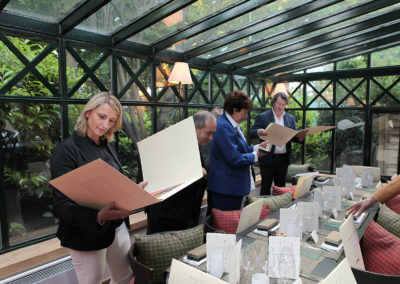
(180, 19)
(116, 14)
(236, 23)
(264, 35)
(45, 10)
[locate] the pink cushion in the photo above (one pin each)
(228, 221)
(282, 190)
(394, 204)
(380, 250)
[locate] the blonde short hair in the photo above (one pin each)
(97, 100)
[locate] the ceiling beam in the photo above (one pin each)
(218, 18)
(339, 74)
(3, 3)
(335, 55)
(273, 57)
(149, 18)
(261, 25)
(79, 14)
(326, 21)
(339, 44)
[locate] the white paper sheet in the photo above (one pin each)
(182, 273)
(171, 159)
(219, 248)
(310, 215)
(291, 222)
(284, 257)
(351, 243)
(342, 274)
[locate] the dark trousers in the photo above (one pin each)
(276, 172)
(225, 201)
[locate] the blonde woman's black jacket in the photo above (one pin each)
(78, 228)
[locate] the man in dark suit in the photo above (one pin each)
(182, 210)
(274, 165)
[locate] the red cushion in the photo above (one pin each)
(228, 221)
(380, 250)
(394, 204)
(282, 190)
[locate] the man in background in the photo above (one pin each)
(182, 210)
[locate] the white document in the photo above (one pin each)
(333, 196)
(232, 263)
(342, 274)
(182, 273)
(279, 135)
(351, 244)
(284, 257)
(291, 222)
(219, 248)
(171, 159)
(250, 215)
(310, 215)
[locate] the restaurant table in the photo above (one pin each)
(316, 263)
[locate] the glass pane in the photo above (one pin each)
(117, 14)
(73, 113)
(256, 93)
(29, 85)
(270, 32)
(133, 93)
(296, 92)
(344, 86)
(167, 116)
(353, 63)
(297, 147)
(378, 93)
(179, 20)
(219, 95)
(387, 57)
(324, 68)
(349, 137)
(29, 134)
(48, 10)
(319, 146)
(385, 142)
(200, 91)
(75, 72)
(240, 83)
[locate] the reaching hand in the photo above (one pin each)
(362, 206)
(301, 135)
(261, 132)
(110, 212)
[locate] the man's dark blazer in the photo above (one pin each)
(78, 228)
(230, 159)
(261, 122)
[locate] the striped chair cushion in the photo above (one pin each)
(389, 220)
(228, 221)
(380, 250)
(274, 202)
(394, 204)
(282, 190)
(156, 251)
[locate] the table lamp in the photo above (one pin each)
(180, 75)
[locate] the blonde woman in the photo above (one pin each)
(94, 237)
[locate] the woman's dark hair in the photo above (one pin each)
(237, 100)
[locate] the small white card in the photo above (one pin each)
(314, 236)
(335, 214)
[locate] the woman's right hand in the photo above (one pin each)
(110, 212)
(361, 206)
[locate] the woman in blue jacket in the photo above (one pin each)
(229, 178)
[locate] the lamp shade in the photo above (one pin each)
(180, 74)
